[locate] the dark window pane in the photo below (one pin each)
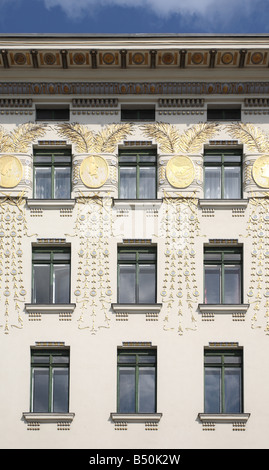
(62, 183)
(60, 390)
(212, 183)
(232, 285)
(212, 284)
(43, 183)
(147, 287)
(147, 183)
(146, 390)
(127, 390)
(127, 284)
(232, 183)
(127, 183)
(224, 113)
(232, 393)
(40, 392)
(212, 390)
(46, 114)
(132, 114)
(61, 283)
(41, 284)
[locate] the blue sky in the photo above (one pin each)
(136, 16)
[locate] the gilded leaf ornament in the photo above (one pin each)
(79, 135)
(20, 138)
(86, 141)
(171, 141)
(108, 138)
(252, 136)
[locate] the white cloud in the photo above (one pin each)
(159, 7)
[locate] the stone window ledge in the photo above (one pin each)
(135, 203)
(136, 417)
(222, 203)
(48, 417)
(136, 308)
(224, 418)
(51, 203)
(50, 308)
(223, 308)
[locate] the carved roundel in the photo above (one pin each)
(94, 171)
(10, 171)
(180, 171)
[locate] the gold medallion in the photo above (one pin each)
(10, 171)
(94, 171)
(180, 171)
(260, 171)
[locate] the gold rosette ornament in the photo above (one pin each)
(10, 171)
(94, 171)
(260, 171)
(180, 171)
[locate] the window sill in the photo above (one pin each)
(222, 203)
(48, 417)
(223, 308)
(156, 203)
(223, 417)
(50, 308)
(136, 417)
(136, 308)
(51, 203)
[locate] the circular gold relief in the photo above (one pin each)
(260, 171)
(20, 58)
(197, 58)
(227, 58)
(10, 171)
(94, 171)
(168, 58)
(108, 58)
(138, 58)
(256, 58)
(79, 58)
(49, 58)
(180, 171)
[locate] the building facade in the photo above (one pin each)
(134, 261)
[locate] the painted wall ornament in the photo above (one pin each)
(180, 171)
(94, 171)
(10, 171)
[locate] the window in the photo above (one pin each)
(223, 113)
(223, 174)
(49, 381)
(136, 381)
(138, 114)
(137, 275)
(52, 114)
(51, 276)
(137, 174)
(223, 275)
(52, 174)
(223, 381)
